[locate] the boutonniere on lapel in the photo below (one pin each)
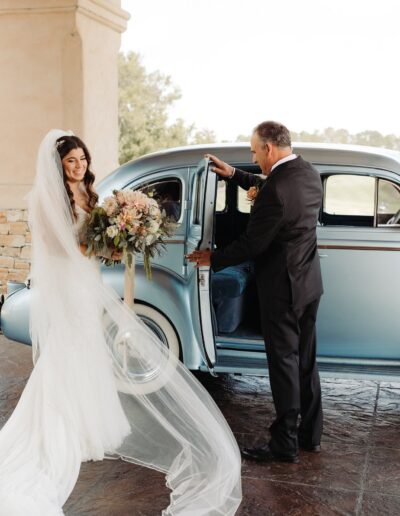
(252, 193)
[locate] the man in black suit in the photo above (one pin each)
(281, 239)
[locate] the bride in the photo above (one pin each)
(80, 403)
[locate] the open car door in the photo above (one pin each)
(206, 192)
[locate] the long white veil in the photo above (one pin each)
(80, 329)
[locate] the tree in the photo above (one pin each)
(144, 101)
(202, 136)
(243, 138)
(330, 135)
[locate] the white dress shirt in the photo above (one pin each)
(283, 160)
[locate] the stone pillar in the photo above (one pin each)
(58, 65)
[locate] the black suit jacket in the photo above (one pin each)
(281, 234)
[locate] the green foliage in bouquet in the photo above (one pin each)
(130, 222)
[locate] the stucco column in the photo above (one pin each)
(58, 63)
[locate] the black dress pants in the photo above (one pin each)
(290, 338)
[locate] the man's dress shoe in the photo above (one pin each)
(315, 448)
(265, 454)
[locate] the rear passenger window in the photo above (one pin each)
(167, 192)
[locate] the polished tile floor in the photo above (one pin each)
(357, 473)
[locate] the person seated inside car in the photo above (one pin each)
(168, 197)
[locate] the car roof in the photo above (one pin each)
(239, 153)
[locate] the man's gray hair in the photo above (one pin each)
(275, 133)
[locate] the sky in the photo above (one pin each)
(308, 64)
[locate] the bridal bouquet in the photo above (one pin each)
(130, 222)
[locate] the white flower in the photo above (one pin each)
(149, 239)
(110, 205)
(154, 210)
(112, 231)
(153, 227)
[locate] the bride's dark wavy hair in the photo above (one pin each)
(64, 145)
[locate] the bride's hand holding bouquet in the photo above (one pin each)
(126, 223)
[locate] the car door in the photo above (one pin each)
(169, 188)
(200, 236)
(360, 251)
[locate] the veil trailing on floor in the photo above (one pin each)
(82, 402)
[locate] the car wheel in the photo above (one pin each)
(159, 325)
(146, 376)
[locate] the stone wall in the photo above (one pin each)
(15, 247)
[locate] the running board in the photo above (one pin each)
(248, 363)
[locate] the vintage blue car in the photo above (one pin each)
(210, 319)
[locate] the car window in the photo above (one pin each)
(349, 195)
(243, 204)
(197, 201)
(388, 202)
(221, 196)
(349, 200)
(167, 192)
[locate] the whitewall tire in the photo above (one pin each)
(160, 326)
(145, 379)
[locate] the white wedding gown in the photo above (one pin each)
(80, 403)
